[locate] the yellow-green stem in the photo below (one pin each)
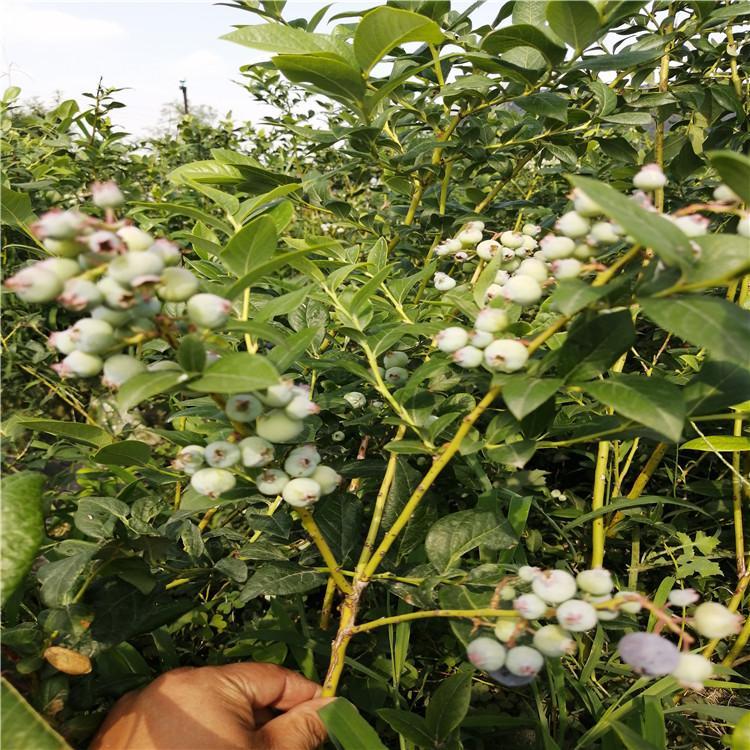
(315, 534)
(487, 613)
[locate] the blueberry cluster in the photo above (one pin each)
(577, 604)
(529, 267)
(127, 284)
(278, 414)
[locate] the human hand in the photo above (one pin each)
(233, 707)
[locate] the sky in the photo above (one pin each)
(60, 49)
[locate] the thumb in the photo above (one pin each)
(300, 728)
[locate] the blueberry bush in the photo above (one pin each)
(435, 388)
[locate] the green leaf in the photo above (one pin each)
(348, 728)
(576, 23)
(626, 504)
(734, 169)
(449, 704)
(631, 739)
(146, 385)
(82, 433)
(278, 261)
(326, 70)
(281, 39)
(629, 118)
(621, 61)
(384, 28)
(124, 453)
(280, 579)
(22, 528)
(96, 516)
(605, 97)
(523, 394)
(23, 728)
(410, 726)
(59, 578)
(572, 295)
(177, 209)
(717, 444)
(649, 229)
(709, 322)
(284, 355)
(192, 353)
(340, 522)
(523, 35)
(648, 401)
(516, 454)
(723, 257)
(594, 344)
(545, 104)
(458, 533)
(252, 246)
(717, 386)
(15, 208)
(236, 373)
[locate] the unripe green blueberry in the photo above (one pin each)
(743, 226)
(511, 239)
(505, 629)
(631, 604)
(277, 427)
(480, 339)
(508, 593)
(208, 310)
(488, 249)
(147, 308)
(80, 294)
(714, 620)
(604, 231)
(132, 268)
(529, 244)
(301, 492)
(79, 365)
(243, 407)
(63, 248)
(533, 267)
(530, 606)
(692, 671)
(395, 358)
(597, 581)
(725, 194)
(491, 320)
(576, 615)
(683, 597)
(531, 230)
(169, 253)
(509, 258)
(453, 245)
(648, 654)
(524, 661)
(221, 454)
(59, 225)
(468, 357)
(63, 268)
(137, 240)
(572, 224)
(302, 461)
(255, 452)
(554, 248)
(442, 250)
(584, 205)
(115, 295)
(176, 284)
(119, 368)
(93, 336)
(443, 282)
(163, 365)
(35, 285)
(506, 355)
(553, 641)
(271, 481)
(476, 226)
(691, 226)
(396, 375)
(338, 436)
(566, 268)
(527, 573)
(650, 177)
(492, 291)
(451, 339)
(280, 394)
(212, 482)
(63, 341)
(355, 399)
(107, 194)
(486, 653)
(501, 277)
(469, 237)
(189, 459)
(301, 406)
(328, 479)
(583, 251)
(554, 586)
(104, 243)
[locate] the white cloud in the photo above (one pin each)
(33, 24)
